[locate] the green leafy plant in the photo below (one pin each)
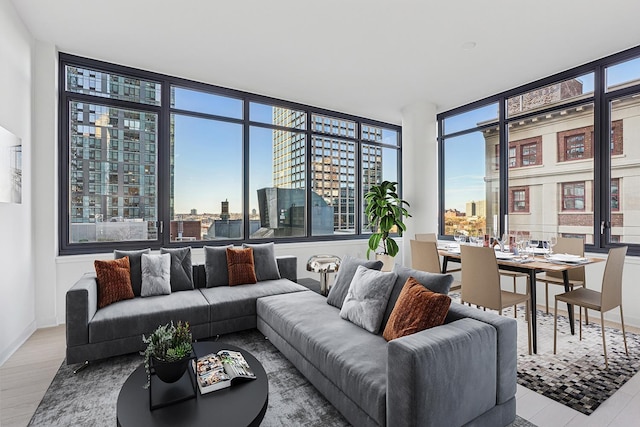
(168, 343)
(385, 210)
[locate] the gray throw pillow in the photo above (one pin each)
(439, 283)
(347, 269)
(367, 298)
(181, 268)
(215, 265)
(264, 260)
(156, 275)
(135, 267)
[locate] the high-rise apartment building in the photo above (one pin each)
(113, 158)
(333, 167)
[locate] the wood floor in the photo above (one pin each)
(25, 377)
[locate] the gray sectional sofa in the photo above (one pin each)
(460, 373)
(117, 328)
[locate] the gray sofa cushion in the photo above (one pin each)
(181, 268)
(229, 302)
(333, 345)
(347, 269)
(439, 283)
(139, 316)
(367, 298)
(135, 267)
(156, 275)
(264, 260)
(215, 265)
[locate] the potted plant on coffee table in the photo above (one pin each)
(168, 351)
(385, 210)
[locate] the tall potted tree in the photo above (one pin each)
(385, 210)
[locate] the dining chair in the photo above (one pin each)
(427, 237)
(577, 277)
(481, 283)
(608, 299)
(431, 237)
(425, 257)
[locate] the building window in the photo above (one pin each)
(573, 196)
(525, 152)
(574, 147)
(519, 200)
(153, 160)
(615, 194)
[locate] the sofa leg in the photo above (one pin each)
(81, 367)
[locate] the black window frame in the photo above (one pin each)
(65, 247)
(600, 98)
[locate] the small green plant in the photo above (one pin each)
(168, 343)
(384, 210)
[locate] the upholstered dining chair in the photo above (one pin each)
(608, 299)
(431, 237)
(425, 257)
(577, 278)
(481, 283)
(427, 237)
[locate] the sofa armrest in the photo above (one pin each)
(288, 266)
(81, 306)
(442, 376)
(507, 329)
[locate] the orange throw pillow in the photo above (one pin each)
(114, 281)
(240, 266)
(416, 309)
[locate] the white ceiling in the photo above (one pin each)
(363, 57)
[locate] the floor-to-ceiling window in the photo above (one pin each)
(150, 160)
(558, 157)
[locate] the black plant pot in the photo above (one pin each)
(170, 372)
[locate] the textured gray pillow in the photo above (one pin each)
(367, 298)
(135, 267)
(181, 268)
(215, 265)
(439, 283)
(156, 275)
(264, 260)
(347, 269)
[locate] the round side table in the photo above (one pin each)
(323, 264)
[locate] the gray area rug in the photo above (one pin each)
(576, 375)
(89, 397)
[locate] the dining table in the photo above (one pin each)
(532, 265)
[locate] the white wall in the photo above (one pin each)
(17, 312)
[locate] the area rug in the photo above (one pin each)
(89, 397)
(576, 375)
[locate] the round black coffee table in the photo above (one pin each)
(242, 404)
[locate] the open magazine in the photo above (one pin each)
(216, 371)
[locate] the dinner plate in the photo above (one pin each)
(505, 255)
(568, 258)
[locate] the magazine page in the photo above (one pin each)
(210, 373)
(235, 365)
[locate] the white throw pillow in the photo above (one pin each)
(367, 298)
(156, 275)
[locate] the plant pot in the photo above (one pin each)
(387, 261)
(170, 372)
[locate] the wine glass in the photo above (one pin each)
(456, 236)
(533, 244)
(551, 242)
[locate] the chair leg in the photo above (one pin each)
(586, 312)
(555, 326)
(624, 334)
(546, 297)
(580, 321)
(515, 307)
(604, 342)
(527, 313)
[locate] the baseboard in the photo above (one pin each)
(48, 323)
(5, 354)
